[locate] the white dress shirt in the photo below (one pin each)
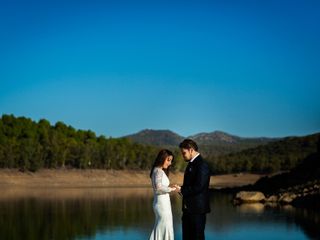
(194, 157)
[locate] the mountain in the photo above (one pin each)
(156, 137)
(274, 156)
(220, 143)
(214, 137)
(214, 143)
(29, 145)
(218, 137)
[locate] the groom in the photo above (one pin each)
(195, 192)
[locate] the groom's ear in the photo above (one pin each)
(192, 151)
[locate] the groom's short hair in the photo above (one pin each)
(188, 143)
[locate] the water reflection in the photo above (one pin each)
(278, 222)
(251, 208)
(70, 213)
(126, 213)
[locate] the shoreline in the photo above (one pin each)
(98, 178)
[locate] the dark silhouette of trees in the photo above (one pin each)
(30, 145)
(276, 156)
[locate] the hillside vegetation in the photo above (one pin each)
(281, 155)
(227, 153)
(30, 145)
(212, 144)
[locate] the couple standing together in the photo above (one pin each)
(194, 191)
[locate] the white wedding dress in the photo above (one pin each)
(163, 227)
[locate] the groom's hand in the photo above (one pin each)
(177, 187)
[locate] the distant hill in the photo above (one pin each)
(299, 186)
(218, 137)
(156, 138)
(221, 143)
(307, 170)
(228, 153)
(280, 155)
(29, 145)
(214, 143)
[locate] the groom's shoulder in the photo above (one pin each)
(202, 162)
(200, 159)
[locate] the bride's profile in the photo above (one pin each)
(163, 227)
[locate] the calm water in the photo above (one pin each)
(83, 214)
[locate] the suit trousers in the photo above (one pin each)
(193, 226)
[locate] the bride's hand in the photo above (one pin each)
(173, 189)
(177, 187)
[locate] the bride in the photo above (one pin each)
(163, 227)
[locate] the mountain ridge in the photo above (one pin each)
(156, 137)
(216, 134)
(29, 145)
(211, 144)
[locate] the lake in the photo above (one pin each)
(126, 213)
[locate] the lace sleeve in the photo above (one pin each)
(159, 187)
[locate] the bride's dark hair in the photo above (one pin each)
(158, 162)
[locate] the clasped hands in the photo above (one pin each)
(176, 188)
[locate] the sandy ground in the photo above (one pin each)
(105, 178)
(234, 180)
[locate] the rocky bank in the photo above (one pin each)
(300, 187)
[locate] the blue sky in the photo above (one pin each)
(249, 68)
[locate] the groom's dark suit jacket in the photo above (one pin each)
(195, 189)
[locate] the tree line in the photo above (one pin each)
(29, 145)
(275, 156)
